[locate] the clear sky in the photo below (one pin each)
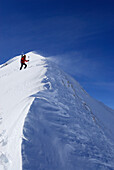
(77, 34)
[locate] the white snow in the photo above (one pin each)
(48, 122)
(16, 88)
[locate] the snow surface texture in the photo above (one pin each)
(48, 122)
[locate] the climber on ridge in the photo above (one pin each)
(23, 60)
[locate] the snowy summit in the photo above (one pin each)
(49, 122)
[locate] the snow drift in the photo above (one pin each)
(49, 122)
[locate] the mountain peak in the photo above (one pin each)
(48, 121)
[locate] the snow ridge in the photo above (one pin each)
(15, 91)
(68, 134)
(48, 121)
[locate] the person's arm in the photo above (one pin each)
(26, 60)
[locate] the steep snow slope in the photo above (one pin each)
(16, 88)
(64, 128)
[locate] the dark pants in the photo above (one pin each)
(22, 65)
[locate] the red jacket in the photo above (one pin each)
(23, 60)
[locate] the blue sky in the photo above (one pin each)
(77, 34)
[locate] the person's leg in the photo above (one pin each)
(21, 66)
(25, 65)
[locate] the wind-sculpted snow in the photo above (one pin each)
(49, 122)
(62, 132)
(16, 87)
